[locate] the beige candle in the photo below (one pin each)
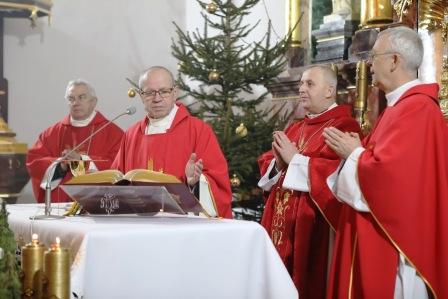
(32, 268)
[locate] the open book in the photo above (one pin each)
(137, 191)
(116, 177)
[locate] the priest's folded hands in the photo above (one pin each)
(343, 143)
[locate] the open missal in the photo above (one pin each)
(139, 191)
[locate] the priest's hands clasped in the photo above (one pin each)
(343, 143)
(193, 170)
(283, 149)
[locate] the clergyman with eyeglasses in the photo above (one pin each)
(171, 140)
(63, 136)
(392, 241)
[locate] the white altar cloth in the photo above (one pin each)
(162, 257)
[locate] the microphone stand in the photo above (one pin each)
(47, 214)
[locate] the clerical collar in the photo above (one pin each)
(334, 105)
(161, 125)
(83, 122)
(393, 96)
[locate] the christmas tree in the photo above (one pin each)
(9, 270)
(227, 68)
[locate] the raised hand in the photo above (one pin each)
(193, 170)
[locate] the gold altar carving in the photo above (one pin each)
(401, 8)
(433, 16)
(443, 94)
(33, 9)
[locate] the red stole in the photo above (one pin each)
(299, 222)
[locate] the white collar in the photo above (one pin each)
(83, 122)
(161, 125)
(393, 96)
(334, 105)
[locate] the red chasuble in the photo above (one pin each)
(403, 175)
(169, 152)
(299, 222)
(61, 136)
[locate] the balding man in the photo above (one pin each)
(60, 138)
(169, 139)
(392, 241)
(300, 210)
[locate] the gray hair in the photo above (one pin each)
(406, 42)
(146, 73)
(77, 82)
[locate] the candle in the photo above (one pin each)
(32, 268)
(57, 271)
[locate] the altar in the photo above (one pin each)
(161, 256)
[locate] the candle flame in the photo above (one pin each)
(34, 237)
(58, 241)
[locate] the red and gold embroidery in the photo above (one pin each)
(278, 221)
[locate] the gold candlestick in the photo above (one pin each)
(57, 272)
(376, 13)
(292, 17)
(32, 268)
(359, 106)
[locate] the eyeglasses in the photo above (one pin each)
(372, 56)
(150, 94)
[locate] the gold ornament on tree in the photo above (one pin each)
(241, 130)
(211, 7)
(235, 181)
(131, 92)
(213, 75)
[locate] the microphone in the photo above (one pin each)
(131, 110)
(47, 216)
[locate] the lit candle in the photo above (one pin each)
(57, 271)
(32, 268)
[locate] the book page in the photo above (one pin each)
(149, 176)
(110, 176)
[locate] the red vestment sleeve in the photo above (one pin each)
(215, 169)
(39, 157)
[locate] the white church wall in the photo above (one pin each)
(102, 41)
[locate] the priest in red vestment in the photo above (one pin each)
(60, 138)
(300, 211)
(392, 239)
(169, 139)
